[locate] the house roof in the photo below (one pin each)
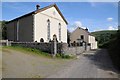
(40, 10)
(81, 29)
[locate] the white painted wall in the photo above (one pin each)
(93, 42)
(40, 25)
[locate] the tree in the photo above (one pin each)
(4, 29)
(104, 36)
(68, 37)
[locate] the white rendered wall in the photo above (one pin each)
(40, 25)
(93, 42)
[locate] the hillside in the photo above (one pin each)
(103, 32)
(103, 36)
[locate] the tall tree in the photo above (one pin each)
(68, 37)
(4, 29)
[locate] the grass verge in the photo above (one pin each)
(37, 52)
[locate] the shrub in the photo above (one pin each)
(64, 56)
(113, 47)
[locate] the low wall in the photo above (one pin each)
(46, 47)
(5, 43)
(49, 47)
(74, 50)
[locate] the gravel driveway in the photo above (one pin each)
(92, 64)
(18, 64)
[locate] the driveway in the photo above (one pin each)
(17, 64)
(92, 64)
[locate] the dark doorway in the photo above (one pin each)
(41, 40)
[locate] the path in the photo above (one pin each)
(17, 64)
(92, 64)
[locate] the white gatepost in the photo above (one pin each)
(7, 43)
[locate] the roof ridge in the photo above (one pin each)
(39, 10)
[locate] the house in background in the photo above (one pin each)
(39, 25)
(80, 35)
(93, 42)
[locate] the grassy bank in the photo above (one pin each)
(37, 52)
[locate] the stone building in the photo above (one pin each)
(80, 35)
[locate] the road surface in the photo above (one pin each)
(92, 64)
(19, 64)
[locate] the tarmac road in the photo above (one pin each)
(92, 64)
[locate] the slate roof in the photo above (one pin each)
(40, 10)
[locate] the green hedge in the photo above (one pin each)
(113, 47)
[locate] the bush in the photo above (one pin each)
(113, 47)
(63, 56)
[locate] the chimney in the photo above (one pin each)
(86, 29)
(37, 7)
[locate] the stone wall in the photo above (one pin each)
(49, 47)
(73, 50)
(46, 47)
(5, 43)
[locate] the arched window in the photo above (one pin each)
(59, 29)
(41, 40)
(48, 29)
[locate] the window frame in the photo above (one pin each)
(82, 37)
(48, 29)
(59, 31)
